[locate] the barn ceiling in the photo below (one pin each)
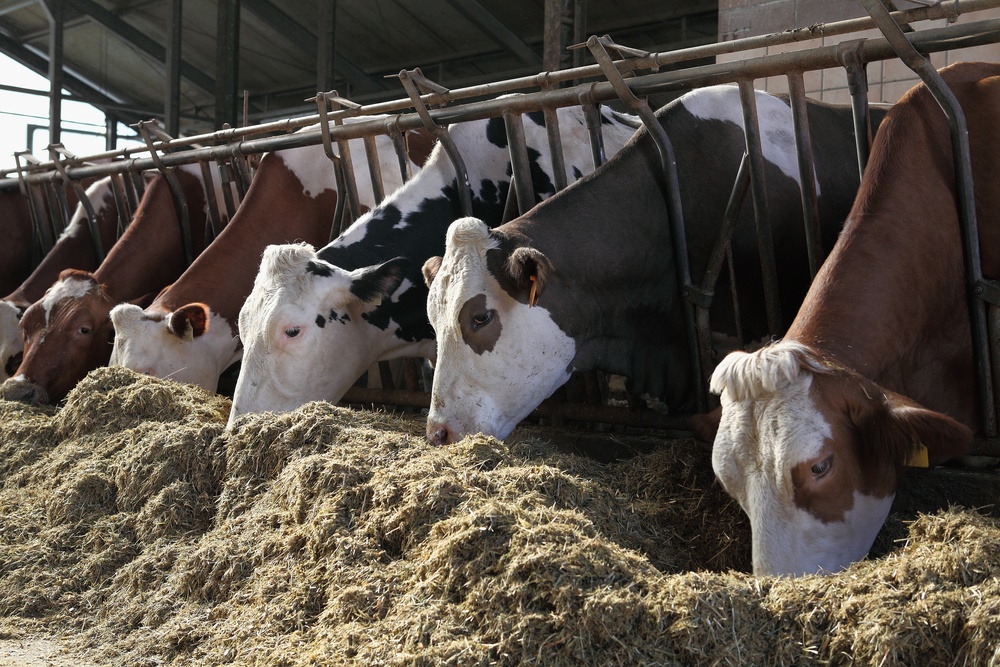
(113, 50)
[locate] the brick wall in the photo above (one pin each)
(888, 80)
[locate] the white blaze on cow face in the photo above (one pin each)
(794, 470)
(297, 303)
(497, 358)
(144, 344)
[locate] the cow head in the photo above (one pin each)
(499, 353)
(811, 451)
(190, 344)
(66, 335)
(11, 342)
(301, 312)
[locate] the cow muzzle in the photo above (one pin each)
(23, 390)
(439, 434)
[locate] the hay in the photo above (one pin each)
(132, 520)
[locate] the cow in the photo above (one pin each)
(189, 333)
(74, 249)
(876, 370)
(586, 280)
(68, 332)
(317, 319)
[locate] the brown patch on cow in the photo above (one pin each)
(190, 321)
(419, 144)
(485, 338)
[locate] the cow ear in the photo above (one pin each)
(188, 322)
(527, 265)
(897, 430)
(430, 269)
(374, 283)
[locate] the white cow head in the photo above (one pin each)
(498, 356)
(303, 311)
(180, 345)
(811, 451)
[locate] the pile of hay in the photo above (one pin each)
(130, 519)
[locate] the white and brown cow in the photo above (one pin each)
(74, 249)
(68, 332)
(596, 263)
(316, 320)
(877, 367)
(189, 333)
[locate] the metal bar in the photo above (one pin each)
(226, 178)
(519, 162)
(122, 204)
(374, 169)
(555, 147)
(807, 171)
(592, 115)
(762, 215)
(172, 59)
(227, 62)
(56, 150)
(55, 10)
(849, 54)
(214, 219)
(966, 202)
(399, 145)
(177, 192)
(937, 39)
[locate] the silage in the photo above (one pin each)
(331, 536)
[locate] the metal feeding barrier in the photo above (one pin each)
(622, 75)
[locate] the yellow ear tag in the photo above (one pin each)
(532, 297)
(918, 457)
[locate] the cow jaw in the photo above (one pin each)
(145, 344)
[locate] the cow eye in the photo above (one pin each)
(85, 331)
(823, 467)
(481, 320)
(292, 332)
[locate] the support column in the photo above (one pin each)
(55, 11)
(565, 24)
(172, 100)
(326, 47)
(227, 98)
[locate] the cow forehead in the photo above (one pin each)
(770, 435)
(68, 288)
(463, 273)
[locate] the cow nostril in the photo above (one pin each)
(439, 434)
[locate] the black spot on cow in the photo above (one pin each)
(496, 133)
(337, 317)
(538, 117)
(319, 269)
(320, 321)
(577, 174)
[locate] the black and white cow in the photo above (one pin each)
(316, 320)
(597, 261)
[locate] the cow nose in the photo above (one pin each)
(23, 390)
(439, 434)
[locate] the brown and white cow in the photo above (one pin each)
(877, 367)
(68, 332)
(74, 249)
(597, 260)
(189, 333)
(317, 319)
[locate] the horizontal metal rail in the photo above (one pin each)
(544, 80)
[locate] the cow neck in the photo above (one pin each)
(74, 249)
(890, 302)
(150, 254)
(274, 211)
(613, 288)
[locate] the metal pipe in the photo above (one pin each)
(807, 171)
(849, 54)
(519, 162)
(762, 214)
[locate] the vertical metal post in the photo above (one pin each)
(758, 182)
(122, 204)
(519, 162)
(555, 147)
(326, 45)
(849, 55)
(110, 132)
(55, 10)
(807, 171)
(172, 103)
(227, 62)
